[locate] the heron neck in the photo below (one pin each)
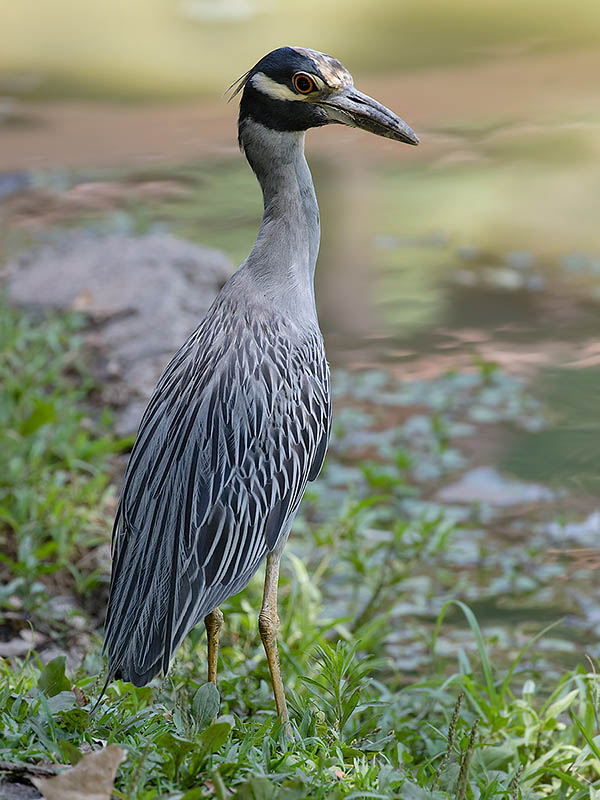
(282, 261)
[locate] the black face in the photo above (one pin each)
(281, 113)
(294, 88)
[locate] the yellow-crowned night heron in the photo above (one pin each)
(240, 419)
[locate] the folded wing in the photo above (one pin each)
(237, 425)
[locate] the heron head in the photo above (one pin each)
(294, 89)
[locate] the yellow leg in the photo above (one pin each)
(268, 625)
(213, 623)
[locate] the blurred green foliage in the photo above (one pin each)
(54, 482)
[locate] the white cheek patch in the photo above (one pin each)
(271, 88)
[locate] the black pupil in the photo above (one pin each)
(303, 84)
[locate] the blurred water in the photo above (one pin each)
(170, 47)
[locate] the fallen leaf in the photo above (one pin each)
(91, 779)
(80, 696)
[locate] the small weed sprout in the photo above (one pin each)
(450, 738)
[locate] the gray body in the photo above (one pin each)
(240, 419)
(237, 425)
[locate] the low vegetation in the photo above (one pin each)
(471, 720)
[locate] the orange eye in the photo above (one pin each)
(303, 83)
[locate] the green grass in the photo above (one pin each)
(460, 736)
(472, 724)
(54, 485)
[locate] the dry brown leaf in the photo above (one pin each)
(80, 696)
(91, 779)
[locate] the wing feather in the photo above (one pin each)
(237, 425)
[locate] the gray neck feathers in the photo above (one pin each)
(282, 261)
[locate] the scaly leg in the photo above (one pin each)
(268, 625)
(213, 623)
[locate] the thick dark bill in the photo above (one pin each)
(358, 110)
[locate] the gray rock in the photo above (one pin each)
(12, 182)
(503, 278)
(469, 252)
(144, 296)
(536, 283)
(519, 259)
(465, 277)
(17, 791)
(487, 485)
(585, 533)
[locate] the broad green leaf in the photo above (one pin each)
(42, 414)
(213, 737)
(176, 745)
(205, 705)
(378, 744)
(53, 678)
(197, 793)
(350, 752)
(8, 517)
(295, 791)
(46, 550)
(256, 788)
(69, 751)
(411, 791)
(63, 701)
(496, 756)
(560, 705)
